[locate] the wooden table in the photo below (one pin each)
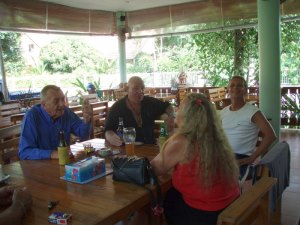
(101, 202)
(164, 96)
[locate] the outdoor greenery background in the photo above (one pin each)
(218, 55)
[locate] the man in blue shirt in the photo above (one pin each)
(42, 123)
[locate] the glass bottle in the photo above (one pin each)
(120, 128)
(63, 150)
(163, 136)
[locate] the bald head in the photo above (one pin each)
(135, 80)
(135, 89)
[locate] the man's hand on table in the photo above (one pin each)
(113, 138)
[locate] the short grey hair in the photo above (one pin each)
(45, 90)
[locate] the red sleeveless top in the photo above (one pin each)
(186, 180)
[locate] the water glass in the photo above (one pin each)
(129, 135)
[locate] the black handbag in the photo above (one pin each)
(131, 169)
(138, 170)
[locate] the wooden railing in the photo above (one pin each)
(290, 101)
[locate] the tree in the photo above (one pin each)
(290, 60)
(68, 54)
(12, 57)
(142, 63)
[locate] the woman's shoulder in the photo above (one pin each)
(177, 143)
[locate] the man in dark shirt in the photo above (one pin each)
(137, 111)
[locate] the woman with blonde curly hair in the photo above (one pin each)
(204, 170)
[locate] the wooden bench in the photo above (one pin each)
(251, 207)
(9, 143)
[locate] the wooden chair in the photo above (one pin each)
(5, 121)
(182, 92)
(119, 93)
(73, 101)
(9, 143)
(77, 109)
(91, 97)
(9, 109)
(216, 95)
(17, 118)
(100, 111)
(149, 91)
(251, 207)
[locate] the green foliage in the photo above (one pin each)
(67, 54)
(290, 105)
(104, 65)
(142, 63)
(290, 60)
(39, 68)
(13, 60)
(97, 84)
(80, 84)
(213, 53)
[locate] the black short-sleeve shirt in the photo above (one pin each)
(151, 109)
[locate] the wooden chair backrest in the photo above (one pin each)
(17, 118)
(216, 94)
(182, 92)
(91, 97)
(77, 109)
(9, 143)
(150, 91)
(73, 101)
(212, 94)
(9, 109)
(100, 111)
(120, 93)
(252, 207)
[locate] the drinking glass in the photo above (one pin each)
(129, 139)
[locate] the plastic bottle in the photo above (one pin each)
(63, 150)
(120, 128)
(163, 136)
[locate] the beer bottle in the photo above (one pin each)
(120, 128)
(163, 136)
(63, 150)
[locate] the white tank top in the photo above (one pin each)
(240, 130)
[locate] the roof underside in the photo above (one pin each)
(159, 17)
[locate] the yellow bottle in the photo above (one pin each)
(63, 150)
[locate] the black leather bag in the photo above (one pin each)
(138, 170)
(131, 169)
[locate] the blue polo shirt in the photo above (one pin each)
(40, 133)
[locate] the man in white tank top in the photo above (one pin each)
(242, 122)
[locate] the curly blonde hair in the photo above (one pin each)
(202, 128)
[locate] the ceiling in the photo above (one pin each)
(118, 5)
(137, 18)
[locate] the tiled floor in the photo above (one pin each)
(290, 208)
